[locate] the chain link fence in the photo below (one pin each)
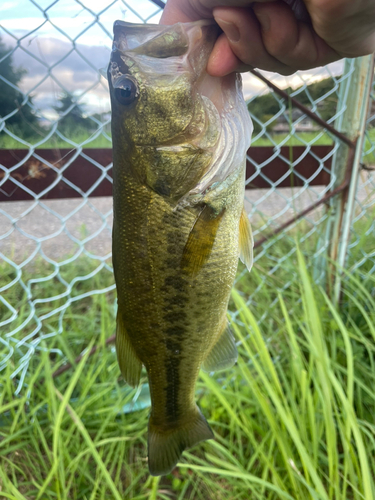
(55, 167)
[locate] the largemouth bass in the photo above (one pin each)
(180, 138)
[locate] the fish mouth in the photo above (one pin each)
(175, 38)
(182, 46)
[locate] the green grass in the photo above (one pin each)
(294, 419)
(79, 138)
(300, 139)
(314, 139)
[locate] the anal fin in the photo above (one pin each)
(224, 353)
(246, 241)
(130, 364)
(201, 240)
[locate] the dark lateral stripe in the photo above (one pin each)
(175, 330)
(173, 381)
(179, 315)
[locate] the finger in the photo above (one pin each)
(184, 11)
(222, 60)
(291, 42)
(348, 27)
(176, 12)
(243, 37)
(299, 10)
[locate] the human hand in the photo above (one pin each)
(281, 36)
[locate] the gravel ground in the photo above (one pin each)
(61, 225)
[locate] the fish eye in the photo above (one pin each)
(126, 91)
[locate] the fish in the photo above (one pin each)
(180, 138)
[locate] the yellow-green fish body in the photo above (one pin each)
(179, 144)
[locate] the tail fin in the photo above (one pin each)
(166, 446)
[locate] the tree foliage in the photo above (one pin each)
(71, 114)
(24, 121)
(266, 106)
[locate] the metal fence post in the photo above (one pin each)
(355, 93)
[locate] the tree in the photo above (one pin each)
(265, 106)
(24, 121)
(74, 119)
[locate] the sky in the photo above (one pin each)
(62, 44)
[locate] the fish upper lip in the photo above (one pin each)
(123, 24)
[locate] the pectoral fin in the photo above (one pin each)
(130, 364)
(246, 241)
(201, 240)
(223, 354)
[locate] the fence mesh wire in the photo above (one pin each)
(56, 253)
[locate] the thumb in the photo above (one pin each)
(241, 45)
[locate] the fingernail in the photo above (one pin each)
(263, 19)
(230, 29)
